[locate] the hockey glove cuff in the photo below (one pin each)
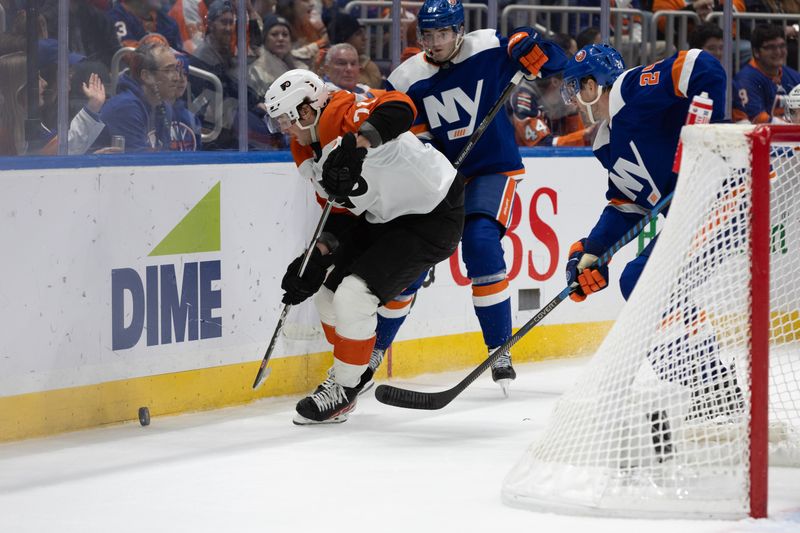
(342, 168)
(579, 270)
(298, 289)
(524, 48)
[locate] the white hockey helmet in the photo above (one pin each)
(791, 105)
(288, 92)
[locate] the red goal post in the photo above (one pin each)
(697, 386)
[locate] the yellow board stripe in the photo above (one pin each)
(49, 412)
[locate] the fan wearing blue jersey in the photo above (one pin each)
(454, 82)
(762, 84)
(642, 111)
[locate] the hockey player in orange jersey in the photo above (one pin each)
(399, 211)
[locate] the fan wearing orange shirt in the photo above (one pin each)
(399, 210)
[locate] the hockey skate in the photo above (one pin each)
(329, 404)
(366, 382)
(502, 371)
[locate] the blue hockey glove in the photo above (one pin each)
(582, 254)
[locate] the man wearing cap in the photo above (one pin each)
(217, 54)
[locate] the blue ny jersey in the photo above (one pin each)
(756, 92)
(648, 107)
(452, 100)
(130, 28)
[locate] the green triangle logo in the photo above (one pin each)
(197, 232)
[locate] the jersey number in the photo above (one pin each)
(649, 78)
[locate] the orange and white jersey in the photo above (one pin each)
(401, 177)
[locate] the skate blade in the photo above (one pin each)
(504, 385)
(367, 387)
(300, 420)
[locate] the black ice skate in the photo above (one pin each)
(502, 371)
(329, 404)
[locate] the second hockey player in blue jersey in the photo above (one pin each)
(454, 82)
(642, 112)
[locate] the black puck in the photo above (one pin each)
(144, 416)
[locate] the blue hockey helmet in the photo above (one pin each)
(600, 61)
(435, 14)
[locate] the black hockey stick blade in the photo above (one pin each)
(410, 399)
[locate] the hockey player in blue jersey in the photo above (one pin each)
(642, 111)
(453, 82)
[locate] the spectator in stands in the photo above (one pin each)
(791, 31)
(133, 19)
(190, 16)
(274, 57)
(142, 111)
(308, 32)
(185, 132)
(216, 54)
(345, 28)
(217, 51)
(588, 36)
(567, 43)
(80, 74)
(707, 36)
(342, 68)
(48, 70)
(90, 32)
(14, 40)
(765, 80)
(84, 128)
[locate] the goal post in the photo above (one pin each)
(697, 386)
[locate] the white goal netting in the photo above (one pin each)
(659, 422)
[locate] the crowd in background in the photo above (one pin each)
(158, 94)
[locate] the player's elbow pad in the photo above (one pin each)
(388, 120)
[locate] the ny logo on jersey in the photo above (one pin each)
(447, 110)
(628, 177)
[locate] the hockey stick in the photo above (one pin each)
(411, 399)
(476, 135)
(261, 375)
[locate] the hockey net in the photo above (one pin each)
(700, 376)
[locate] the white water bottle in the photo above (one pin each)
(700, 111)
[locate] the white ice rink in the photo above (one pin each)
(248, 469)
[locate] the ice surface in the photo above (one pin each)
(385, 470)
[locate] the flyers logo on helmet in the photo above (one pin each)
(580, 56)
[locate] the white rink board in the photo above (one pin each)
(63, 231)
